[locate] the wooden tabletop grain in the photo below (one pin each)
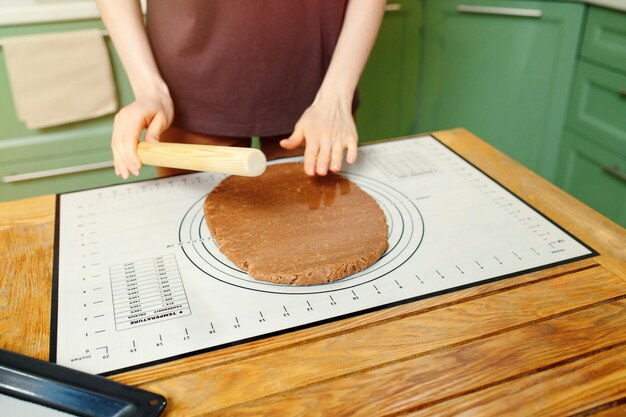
(546, 343)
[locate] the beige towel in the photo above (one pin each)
(59, 78)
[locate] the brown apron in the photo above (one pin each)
(241, 68)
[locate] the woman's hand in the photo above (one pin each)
(153, 113)
(152, 109)
(326, 129)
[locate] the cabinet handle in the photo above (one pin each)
(614, 170)
(501, 11)
(54, 172)
(393, 7)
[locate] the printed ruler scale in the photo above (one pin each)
(139, 279)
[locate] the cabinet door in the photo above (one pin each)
(598, 106)
(501, 69)
(388, 86)
(594, 175)
(605, 38)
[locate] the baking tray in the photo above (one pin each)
(69, 391)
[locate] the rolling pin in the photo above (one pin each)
(248, 162)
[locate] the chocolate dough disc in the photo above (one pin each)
(288, 228)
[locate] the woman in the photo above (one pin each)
(220, 71)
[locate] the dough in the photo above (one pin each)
(288, 228)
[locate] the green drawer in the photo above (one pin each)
(605, 38)
(67, 162)
(594, 175)
(598, 106)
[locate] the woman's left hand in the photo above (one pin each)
(326, 129)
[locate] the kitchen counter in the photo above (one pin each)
(549, 342)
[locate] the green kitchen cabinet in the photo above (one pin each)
(595, 175)
(63, 158)
(388, 86)
(593, 156)
(503, 70)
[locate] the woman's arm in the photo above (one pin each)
(327, 126)
(152, 109)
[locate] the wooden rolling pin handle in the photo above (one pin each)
(248, 162)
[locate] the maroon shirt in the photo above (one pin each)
(243, 67)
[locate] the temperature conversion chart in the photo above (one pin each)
(139, 280)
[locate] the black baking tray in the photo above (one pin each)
(73, 392)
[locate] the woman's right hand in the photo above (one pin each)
(154, 113)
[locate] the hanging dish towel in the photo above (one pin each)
(58, 78)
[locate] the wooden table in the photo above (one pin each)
(546, 343)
